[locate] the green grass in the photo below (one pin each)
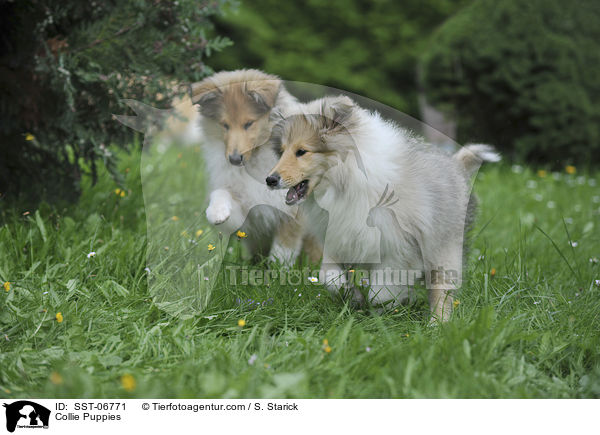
(531, 330)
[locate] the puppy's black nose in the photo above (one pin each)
(273, 179)
(236, 158)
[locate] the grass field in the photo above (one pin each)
(528, 322)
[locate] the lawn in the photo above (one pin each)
(527, 324)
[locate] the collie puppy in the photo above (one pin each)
(396, 205)
(235, 120)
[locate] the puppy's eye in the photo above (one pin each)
(226, 126)
(248, 125)
(300, 153)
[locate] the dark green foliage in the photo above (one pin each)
(523, 75)
(64, 66)
(366, 47)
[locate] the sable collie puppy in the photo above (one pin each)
(235, 120)
(369, 173)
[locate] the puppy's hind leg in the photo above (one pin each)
(443, 280)
(440, 302)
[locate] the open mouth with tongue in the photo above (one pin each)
(296, 193)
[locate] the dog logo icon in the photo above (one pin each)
(26, 414)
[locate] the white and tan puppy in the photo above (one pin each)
(235, 120)
(367, 172)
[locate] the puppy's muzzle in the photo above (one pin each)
(273, 180)
(236, 158)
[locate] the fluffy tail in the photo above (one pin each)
(473, 155)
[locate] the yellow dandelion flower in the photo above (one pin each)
(199, 233)
(570, 169)
(117, 191)
(7, 286)
(327, 349)
(456, 303)
(493, 271)
(241, 323)
(122, 194)
(175, 218)
(179, 155)
(56, 378)
(325, 342)
(407, 335)
(29, 137)
(240, 234)
(211, 247)
(59, 317)
(541, 173)
(128, 382)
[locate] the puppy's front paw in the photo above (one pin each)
(219, 213)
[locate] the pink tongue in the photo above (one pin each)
(292, 195)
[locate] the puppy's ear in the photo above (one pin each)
(276, 137)
(263, 93)
(336, 114)
(208, 96)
